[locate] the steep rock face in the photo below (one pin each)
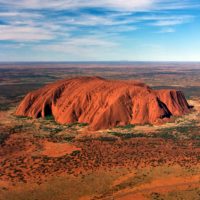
(103, 103)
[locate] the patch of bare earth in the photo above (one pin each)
(160, 186)
(52, 149)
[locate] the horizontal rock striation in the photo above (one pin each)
(103, 103)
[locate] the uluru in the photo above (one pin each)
(103, 103)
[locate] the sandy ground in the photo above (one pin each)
(162, 186)
(57, 149)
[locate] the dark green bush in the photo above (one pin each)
(128, 126)
(49, 117)
(164, 135)
(4, 107)
(76, 152)
(3, 137)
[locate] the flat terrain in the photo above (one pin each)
(40, 159)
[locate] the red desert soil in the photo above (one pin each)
(103, 103)
(57, 149)
(160, 185)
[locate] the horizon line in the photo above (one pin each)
(91, 61)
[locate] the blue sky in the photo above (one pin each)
(99, 30)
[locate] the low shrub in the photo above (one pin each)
(127, 135)
(3, 137)
(164, 135)
(4, 107)
(128, 126)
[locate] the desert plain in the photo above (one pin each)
(41, 159)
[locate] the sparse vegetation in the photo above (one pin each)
(3, 137)
(4, 107)
(52, 129)
(127, 135)
(195, 137)
(17, 129)
(164, 135)
(74, 153)
(76, 124)
(156, 196)
(128, 126)
(22, 117)
(49, 117)
(107, 139)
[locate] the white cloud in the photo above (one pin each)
(173, 20)
(88, 47)
(89, 41)
(92, 20)
(18, 33)
(168, 22)
(70, 4)
(128, 5)
(81, 42)
(19, 14)
(167, 30)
